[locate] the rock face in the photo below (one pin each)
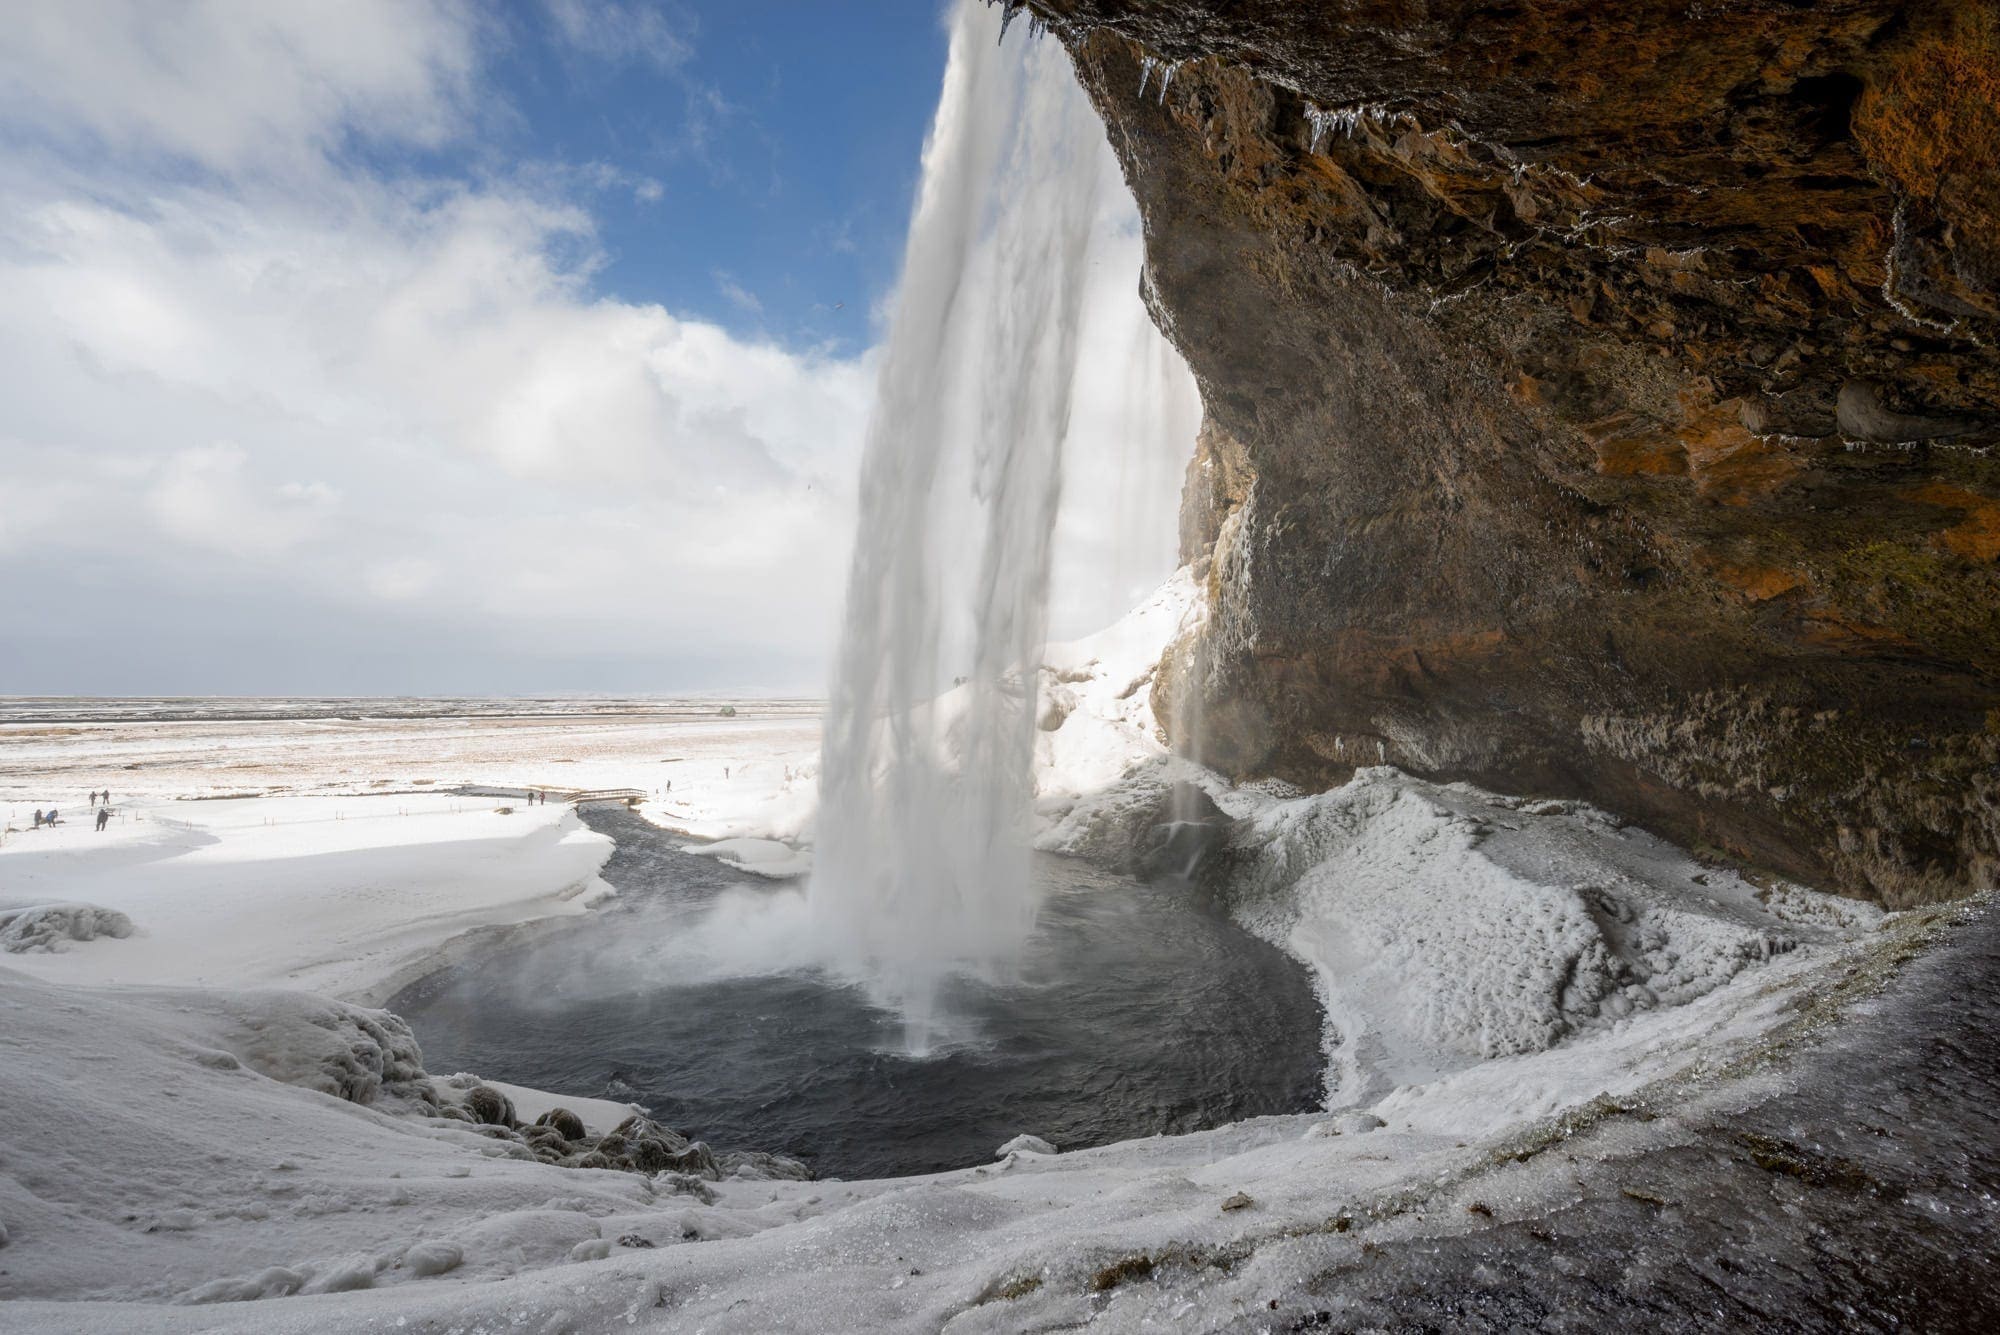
(1599, 403)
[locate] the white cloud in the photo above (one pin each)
(237, 84)
(637, 31)
(374, 397)
(737, 295)
(206, 498)
(416, 392)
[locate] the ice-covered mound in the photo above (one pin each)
(1111, 824)
(1447, 925)
(350, 1052)
(50, 927)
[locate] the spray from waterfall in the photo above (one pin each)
(921, 853)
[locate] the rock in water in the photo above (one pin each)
(1189, 829)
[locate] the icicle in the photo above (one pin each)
(1320, 119)
(1147, 65)
(1345, 121)
(1167, 77)
(1008, 10)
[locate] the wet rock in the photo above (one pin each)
(489, 1105)
(1190, 829)
(1863, 415)
(758, 1166)
(564, 1122)
(696, 1159)
(1240, 1201)
(687, 1184)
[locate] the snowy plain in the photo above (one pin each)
(176, 1152)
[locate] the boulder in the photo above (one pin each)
(489, 1105)
(564, 1122)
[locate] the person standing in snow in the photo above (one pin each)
(52, 815)
(38, 818)
(103, 817)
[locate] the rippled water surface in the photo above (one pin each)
(1138, 1010)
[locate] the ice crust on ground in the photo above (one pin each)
(50, 927)
(1446, 925)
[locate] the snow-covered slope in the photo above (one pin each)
(1096, 715)
(341, 895)
(1446, 925)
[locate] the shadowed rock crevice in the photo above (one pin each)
(1600, 402)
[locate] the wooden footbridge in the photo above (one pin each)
(575, 797)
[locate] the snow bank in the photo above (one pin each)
(47, 927)
(343, 895)
(764, 857)
(1446, 925)
(176, 1145)
(1096, 715)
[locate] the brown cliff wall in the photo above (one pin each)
(1600, 403)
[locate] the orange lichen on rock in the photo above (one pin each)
(1754, 583)
(1625, 448)
(1937, 115)
(1976, 537)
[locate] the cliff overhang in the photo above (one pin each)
(1601, 401)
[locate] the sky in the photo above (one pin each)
(432, 347)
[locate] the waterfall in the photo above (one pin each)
(921, 859)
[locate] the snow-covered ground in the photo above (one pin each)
(751, 772)
(1492, 968)
(349, 896)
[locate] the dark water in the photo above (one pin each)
(1138, 1011)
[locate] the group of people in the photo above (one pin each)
(99, 802)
